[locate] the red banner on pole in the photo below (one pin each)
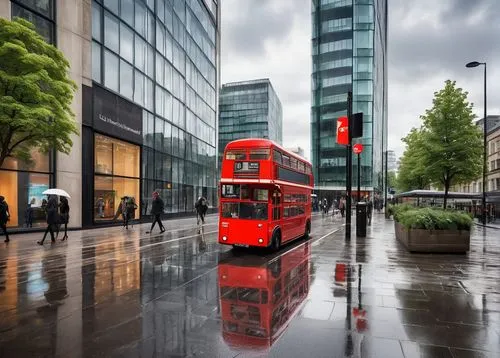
(343, 131)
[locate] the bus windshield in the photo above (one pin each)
(244, 210)
(244, 192)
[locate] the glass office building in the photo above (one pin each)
(249, 109)
(147, 73)
(159, 57)
(349, 50)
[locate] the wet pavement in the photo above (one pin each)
(117, 293)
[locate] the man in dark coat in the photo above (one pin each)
(201, 207)
(157, 209)
(4, 217)
(51, 211)
(369, 209)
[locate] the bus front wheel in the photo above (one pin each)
(276, 241)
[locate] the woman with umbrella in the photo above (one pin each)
(51, 212)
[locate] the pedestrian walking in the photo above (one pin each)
(342, 207)
(157, 208)
(369, 209)
(28, 214)
(64, 215)
(51, 215)
(201, 207)
(325, 206)
(130, 208)
(4, 217)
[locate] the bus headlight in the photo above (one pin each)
(261, 241)
(224, 238)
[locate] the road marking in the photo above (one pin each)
(314, 243)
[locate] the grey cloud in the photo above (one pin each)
(249, 24)
(425, 53)
(429, 42)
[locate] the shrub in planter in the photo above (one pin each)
(399, 209)
(434, 219)
(433, 230)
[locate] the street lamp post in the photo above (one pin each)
(485, 134)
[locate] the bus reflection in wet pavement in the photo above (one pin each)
(258, 302)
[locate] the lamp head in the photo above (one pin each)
(473, 64)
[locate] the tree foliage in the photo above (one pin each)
(447, 150)
(391, 180)
(452, 142)
(36, 93)
(412, 172)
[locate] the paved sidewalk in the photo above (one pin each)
(416, 305)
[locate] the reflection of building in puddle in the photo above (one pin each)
(258, 302)
(177, 298)
(117, 269)
(8, 292)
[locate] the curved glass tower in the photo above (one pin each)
(349, 50)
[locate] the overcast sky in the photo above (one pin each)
(429, 42)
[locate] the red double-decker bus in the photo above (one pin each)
(258, 302)
(265, 195)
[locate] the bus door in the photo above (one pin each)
(276, 206)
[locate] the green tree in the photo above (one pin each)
(391, 180)
(35, 93)
(452, 143)
(412, 172)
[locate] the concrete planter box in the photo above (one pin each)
(445, 241)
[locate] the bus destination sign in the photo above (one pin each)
(246, 167)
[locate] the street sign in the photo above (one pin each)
(357, 148)
(343, 130)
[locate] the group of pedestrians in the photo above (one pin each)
(57, 214)
(340, 207)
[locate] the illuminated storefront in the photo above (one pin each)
(117, 174)
(22, 185)
(112, 134)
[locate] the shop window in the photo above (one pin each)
(23, 193)
(125, 159)
(117, 166)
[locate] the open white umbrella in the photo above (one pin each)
(58, 192)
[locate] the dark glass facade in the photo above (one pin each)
(162, 56)
(349, 43)
(249, 109)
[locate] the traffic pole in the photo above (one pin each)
(349, 168)
(359, 177)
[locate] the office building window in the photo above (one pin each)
(39, 13)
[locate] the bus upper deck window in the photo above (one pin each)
(236, 155)
(259, 154)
